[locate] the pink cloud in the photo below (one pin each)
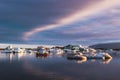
(78, 15)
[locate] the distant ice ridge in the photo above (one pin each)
(23, 45)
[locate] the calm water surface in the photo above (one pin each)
(25, 66)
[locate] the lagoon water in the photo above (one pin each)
(26, 66)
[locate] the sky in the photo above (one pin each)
(59, 22)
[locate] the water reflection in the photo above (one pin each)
(18, 56)
(41, 56)
(78, 61)
(14, 56)
(106, 61)
(38, 67)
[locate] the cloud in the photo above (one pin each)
(23, 15)
(58, 20)
(78, 15)
(102, 28)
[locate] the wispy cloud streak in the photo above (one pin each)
(79, 15)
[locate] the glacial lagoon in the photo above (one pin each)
(29, 66)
